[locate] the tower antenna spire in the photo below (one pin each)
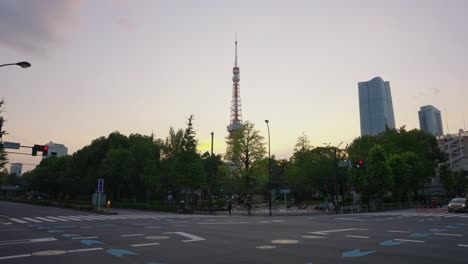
(235, 59)
(236, 113)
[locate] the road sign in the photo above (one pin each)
(100, 186)
(284, 191)
(11, 145)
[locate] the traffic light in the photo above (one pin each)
(41, 148)
(360, 164)
(45, 150)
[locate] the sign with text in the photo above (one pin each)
(11, 145)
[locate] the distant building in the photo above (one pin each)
(456, 147)
(55, 149)
(16, 168)
(430, 120)
(375, 106)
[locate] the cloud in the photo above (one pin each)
(31, 26)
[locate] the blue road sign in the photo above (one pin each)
(100, 185)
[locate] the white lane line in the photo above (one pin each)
(218, 223)
(357, 236)
(132, 235)
(462, 245)
(192, 237)
(84, 249)
(90, 237)
(407, 240)
(32, 219)
(398, 231)
(145, 245)
(446, 234)
(45, 219)
(58, 219)
(325, 232)
(15, 256)
(7, 223)
(25, 241)
(350, 219)
(18, 220)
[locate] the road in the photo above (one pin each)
(35, 234)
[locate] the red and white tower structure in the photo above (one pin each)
(236, 113)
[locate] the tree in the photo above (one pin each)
(378, 177)
(447, 179)
(3, 155)
(244, 148)
(401, 173)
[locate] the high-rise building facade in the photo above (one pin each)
(16, 168)
(375, 106)
(430, 120)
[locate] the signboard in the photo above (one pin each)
(11, 145)
(284, 191)
(100, 186)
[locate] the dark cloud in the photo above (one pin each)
(31, 26)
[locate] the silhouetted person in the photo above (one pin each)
(248, 205)
(229, 207)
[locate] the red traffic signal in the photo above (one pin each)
(41, 148)
(360, 164)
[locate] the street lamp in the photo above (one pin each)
(22, 64)
(211, 176)
(269, 163)
(337, 186)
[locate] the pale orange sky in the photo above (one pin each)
(143, 66)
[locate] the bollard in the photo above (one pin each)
(108, 204)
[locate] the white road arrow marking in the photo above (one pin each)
(193, 238)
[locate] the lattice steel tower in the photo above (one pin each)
(236, 112)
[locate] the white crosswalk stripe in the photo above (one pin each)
(78, 218)
(18, 220)
(58, 219)
(32, 220)
(45, 219)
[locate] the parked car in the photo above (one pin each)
(458, 205)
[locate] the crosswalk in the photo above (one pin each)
(68, 218)
(417, 214)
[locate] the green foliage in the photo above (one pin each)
(133, 167)
(410, 159)
(3, 155)
(245, 149)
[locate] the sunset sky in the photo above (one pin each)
(144, 66)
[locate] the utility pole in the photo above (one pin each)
(210, 195)
(337, 185)
(269, 164)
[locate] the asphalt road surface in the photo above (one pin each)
(36, 234)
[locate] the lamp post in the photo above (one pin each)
(211, 176)
(22, 64)
(337, 186)
(269, 163)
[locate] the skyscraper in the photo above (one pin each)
(430, 120)
(375, 106)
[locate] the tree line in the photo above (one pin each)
(398, 164)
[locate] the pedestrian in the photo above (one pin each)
(229, 206)
(332, 208)
(248, 205)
